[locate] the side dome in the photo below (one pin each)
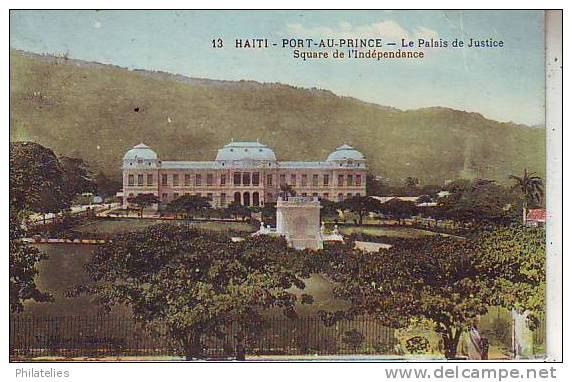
(141, 151)
(345, 152)
(245, 151)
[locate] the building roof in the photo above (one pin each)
(302, 165)
(189, 165)
(345, 152)
(537, 215)
(245, 151)
(141, 151)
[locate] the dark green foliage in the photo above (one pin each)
(143, 201)
(514, 260)
(37, 181)
(189, 205)
(433, 278)
(448, 281)
(105, 186)
(361, 205)
(398, 209)
(329, 210)
(37, 184)
(237, 210)
(478, 201)
(23, 260)
(196, 282)
(78, 177)
(531, 188)
(374, 186)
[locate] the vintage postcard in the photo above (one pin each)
(286, 185)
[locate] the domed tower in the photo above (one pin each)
(140, 172)
(140, 156)
(347, 156)
(349, 172)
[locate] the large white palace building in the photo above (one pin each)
(246, 172)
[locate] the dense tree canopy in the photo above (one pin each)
(449, 281)
(374, 186)
(514, 260)
(37, 184)
(23, 259)
(143, 201)
(238, 210)
(196, 282)
(434, 278)
(78, 177)
(398, 209)
(479, 200)
(361, 205)
(106, 186)
(37, 181)
(189, 205)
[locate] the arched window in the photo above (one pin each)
(255, 199)
(237, 197)
(246, 199)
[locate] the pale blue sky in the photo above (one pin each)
(504, 84)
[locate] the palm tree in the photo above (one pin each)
(531, 187)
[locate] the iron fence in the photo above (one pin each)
(97, 336)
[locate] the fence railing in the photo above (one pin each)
(120, 336)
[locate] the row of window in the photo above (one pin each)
(246, 179)
(244, 198)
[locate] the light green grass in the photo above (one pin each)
(110, 226)
(405, 232)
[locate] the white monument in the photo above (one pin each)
(298, 220)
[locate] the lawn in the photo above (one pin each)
(110, 226)
(405, 232)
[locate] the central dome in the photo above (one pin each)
(345, 152)
(245, 151)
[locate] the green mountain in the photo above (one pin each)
(98, 112)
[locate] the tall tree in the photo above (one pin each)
(374, 186)
(195, 282)
(238, 210)
(106, 186)
(478, 201)
(435, 279)
(37, 184)
(329, 209)
(514, 261)
(143, 201)
(189, 205)
(361, 205)
(23, 261)
(37, 180)
(532, 189)
(78, 177)
(398, 209)
(410, 186)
